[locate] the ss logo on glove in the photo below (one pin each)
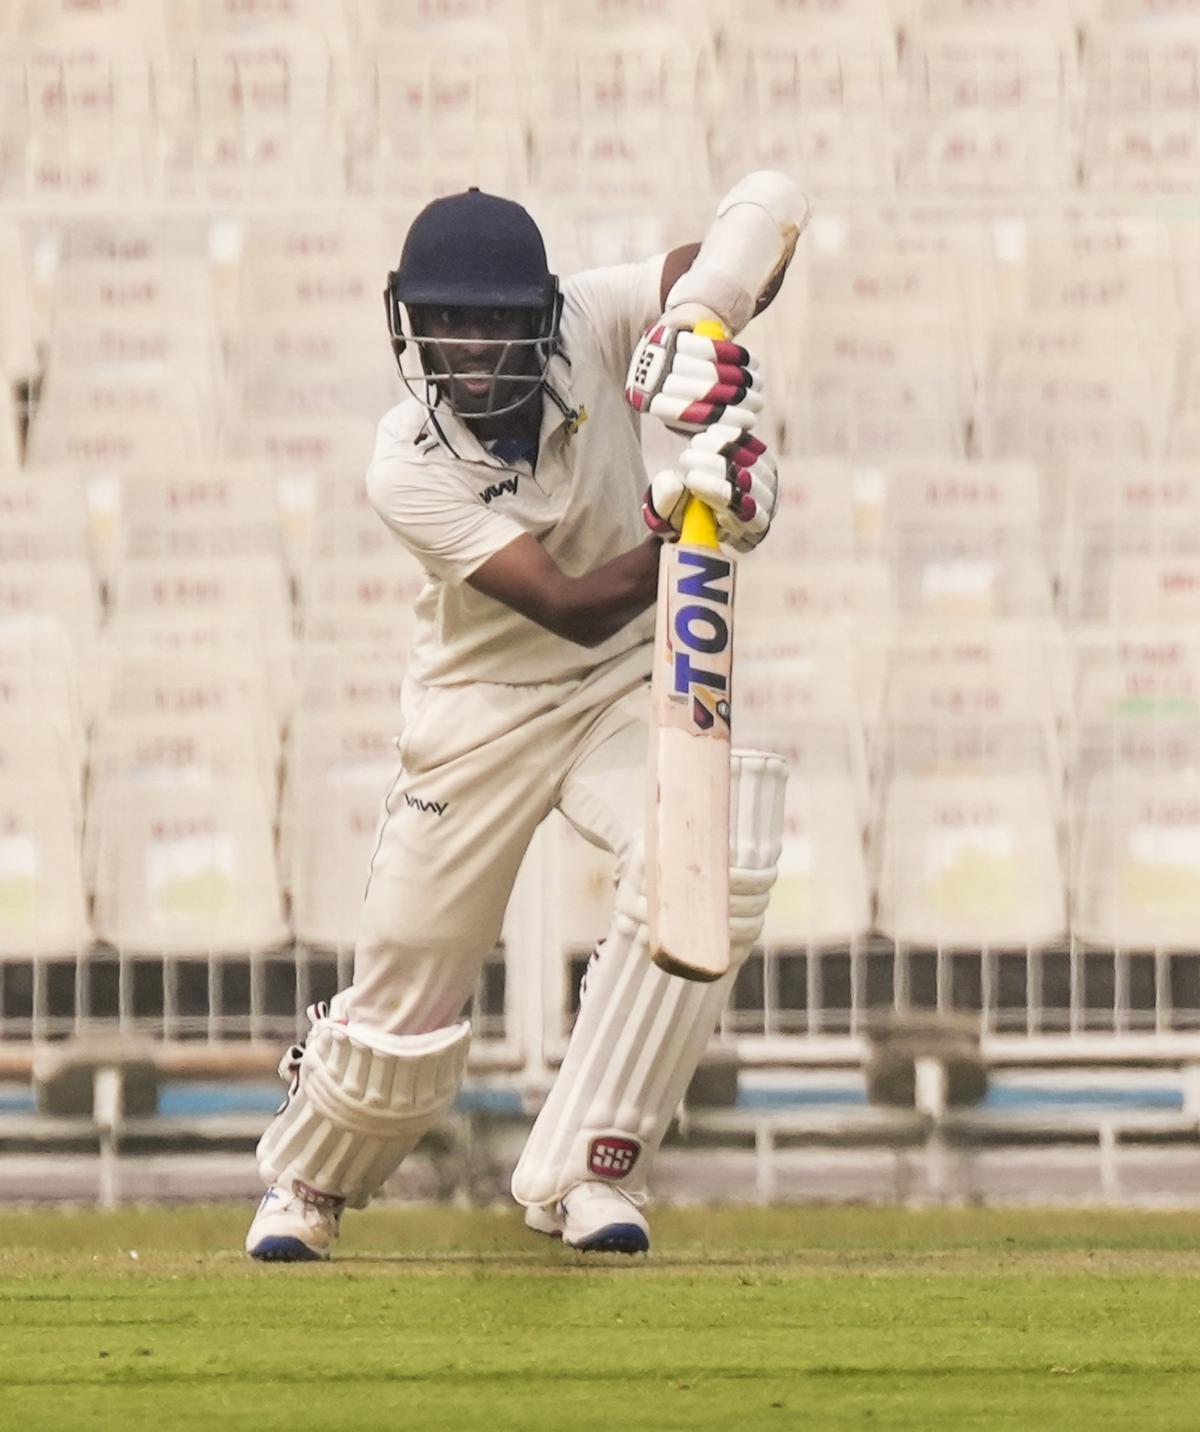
(690, 382)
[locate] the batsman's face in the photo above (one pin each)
(482, 359)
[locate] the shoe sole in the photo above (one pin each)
(614, 1238)
(285, 1250)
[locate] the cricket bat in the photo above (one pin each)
(687, 821)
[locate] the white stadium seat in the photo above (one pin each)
(172, 751)
(1120, 510)
(847, 601)
(341, 764)
(965, 541)
(333, 826)
(799, 699)
(979, 151)
(186, 870)
(1155, 588)
(211, 642)
(114, 425)
(64, 589)
(799, 696)
(970, 861)
(1068, 387)
(226, 686)
(230, 511)
(43, 907)
(822, 896)
(40, 676)
(342, 525)
(828, 67)
(301, 445)
(890, 384)
(1088, 264)
(1138, 877)
(366, 590)
(840, 151)
(1135, 707)
(44, 516)
(1149, 152)
(1144, 63)
(982, 699)
(341, 677)
(35, 745)
(163, 592)
(80, 19)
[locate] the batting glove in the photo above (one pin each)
(733, 472)
(690, 382)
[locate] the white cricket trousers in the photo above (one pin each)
(481, 766)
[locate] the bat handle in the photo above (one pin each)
(699, 527)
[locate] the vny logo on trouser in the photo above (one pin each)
(610, 1156)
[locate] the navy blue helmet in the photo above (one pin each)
(474, 251)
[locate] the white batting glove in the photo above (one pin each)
(733, 472)
(690, 382)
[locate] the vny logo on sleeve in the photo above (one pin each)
(498, 489)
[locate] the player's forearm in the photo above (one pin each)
(590, 609)
(587, 609)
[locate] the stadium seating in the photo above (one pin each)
(800, 699)
(43, 906)
(966, 541)
(1139, 858)
(858, 394)
(187, 870)
(971, 630)
(341, 762)
(1120, 512)
(970, 776)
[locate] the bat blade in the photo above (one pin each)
(687, 845)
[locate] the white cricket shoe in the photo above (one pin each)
(289, 1228)
(595, 1218)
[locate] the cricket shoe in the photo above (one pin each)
(594, 1218)
(292, 1227)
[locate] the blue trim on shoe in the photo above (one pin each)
(615, 1238)
(284, 1250)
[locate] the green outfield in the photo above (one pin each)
(785, 1318)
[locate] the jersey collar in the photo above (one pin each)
(558, 410)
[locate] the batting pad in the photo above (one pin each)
(362, 1102)
(640, 1032)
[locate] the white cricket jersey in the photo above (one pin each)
(454, 505)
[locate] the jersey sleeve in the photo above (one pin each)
(446, 529)
(617, 303)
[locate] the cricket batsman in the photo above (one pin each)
(514, 474)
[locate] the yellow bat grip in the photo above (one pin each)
(699, 527)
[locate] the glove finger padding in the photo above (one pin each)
(690, 382)
(735, 474)
(663, 505)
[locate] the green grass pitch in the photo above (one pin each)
(826, 1319)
